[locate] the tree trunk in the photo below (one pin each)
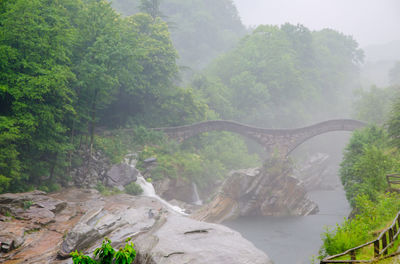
(92, 122)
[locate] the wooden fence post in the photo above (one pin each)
(353, 255)
(384, 243)
(398, 221)
(376, 248)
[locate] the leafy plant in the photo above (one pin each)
(133, 188)
(106, 254)
(27, 204)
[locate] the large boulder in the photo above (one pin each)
(183, 240)
(92, 170)
(268, 191)
(120, 175)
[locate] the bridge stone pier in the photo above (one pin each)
(284, 141)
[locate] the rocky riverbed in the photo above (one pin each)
(40, 228)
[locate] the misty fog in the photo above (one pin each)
(203, 131)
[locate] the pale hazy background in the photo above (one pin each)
(371, 22)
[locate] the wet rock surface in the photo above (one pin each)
(268, 191)
(120, 175)
(160, 235)
(93, 169)
(318, 173)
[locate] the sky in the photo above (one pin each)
(370, 22)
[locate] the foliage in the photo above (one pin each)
(151, 7)
(278, 76)
(366, 162)
(35, 42)
(374, 106)
(106, 254)
(200, 29)
(68, 67)
(371, 217)
(106, 191)
(204, 160)
(133, 188)
(393, 124)
(27, 204)
(120, 143)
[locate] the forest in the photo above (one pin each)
(76, 74)
(67, 72)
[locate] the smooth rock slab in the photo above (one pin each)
(184, 240)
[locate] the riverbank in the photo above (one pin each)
(42, 228)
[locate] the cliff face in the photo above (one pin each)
(269, 191)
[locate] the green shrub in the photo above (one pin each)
(366, 161)
(106, 191)
(133, 188)
(204, 160)
(106, 254)
(27, 204)
(371, 217)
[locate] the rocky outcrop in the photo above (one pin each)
(159, 235)
(178, 189)
(318, 173)
(92, 171)
(96, 168)
(270, 190)
(120, 175)
(32, 223)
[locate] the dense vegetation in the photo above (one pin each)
(68, 66)
(278, 76)
(71, 70)
(371, 154)
(200, 29)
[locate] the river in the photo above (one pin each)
(294, 240)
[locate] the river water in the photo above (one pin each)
(294, 240)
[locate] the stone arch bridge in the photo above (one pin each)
(282, 140)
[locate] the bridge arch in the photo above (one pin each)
(283, 140)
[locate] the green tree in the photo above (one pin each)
(35, 42)
(278, 76)
(200, 29)
(393, 123)
(374, 106)
(366, 162)
(151, 7)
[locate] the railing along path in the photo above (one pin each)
(381, 245)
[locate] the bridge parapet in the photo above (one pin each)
(283, 140)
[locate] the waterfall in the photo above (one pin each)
(196, 197)
(148, 188)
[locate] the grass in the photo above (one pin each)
(367, 253)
